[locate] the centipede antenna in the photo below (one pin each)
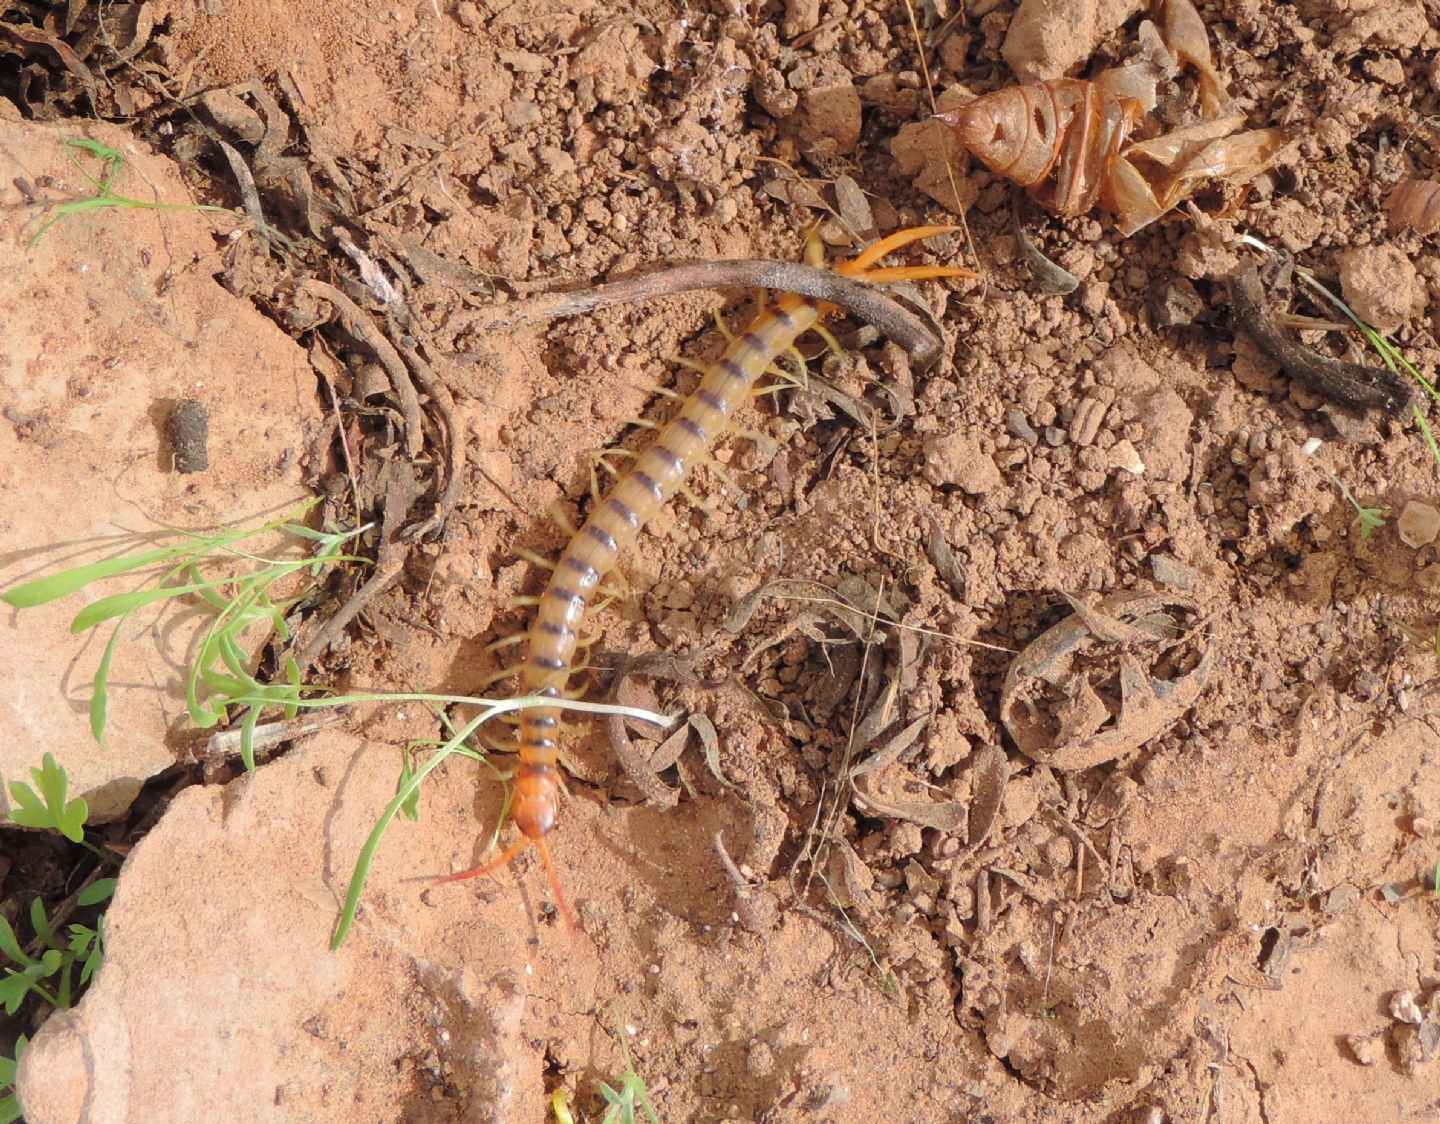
(913, 273)
(501, 860)
(553, 877)
(888, 245)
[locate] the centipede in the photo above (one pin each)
(615, 522)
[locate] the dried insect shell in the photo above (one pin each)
(1415, 205)
(1067, 126)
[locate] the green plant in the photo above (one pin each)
(9, 1103)
(111, 164)
(82, 946)
(620, 1104)
(242, 602)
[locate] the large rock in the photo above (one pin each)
(219, 999)
(110, 318)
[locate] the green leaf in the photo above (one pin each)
(409, 808)
(9, 1109)
(41, 924)
(66, 582)
(97, 892)
(122, 604)
(247, 737)
(10, 946)
(93, 960)
(100, 691)
(66, 817)
(51, 961)
(13, 990)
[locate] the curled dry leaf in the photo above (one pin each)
(1069, 705)
(987, 792)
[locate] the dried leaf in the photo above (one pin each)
(891, 751)
(796, 192)
(987, 792)
(854, 207)
(948, 816)
(1147, 707)
(1049, 277)
(711, 743)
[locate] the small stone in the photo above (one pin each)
(1179, 304)
(800, 16)
(1123, 455)
(524, 62)
(1423, 826)
(1169, 571)
(1380, 283)
(520, 113)
(1403, 1008)
(468, 13)
(1365, 1048)
(1340, 899)
(1418, 525)
(958, 459)
(1019, 426)
(832, 118)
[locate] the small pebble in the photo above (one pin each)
(1403, 1008)
(1365, 1048)
(1418, 525)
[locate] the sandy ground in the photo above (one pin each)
(1211, 927)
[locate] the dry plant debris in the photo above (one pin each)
(1079, 694)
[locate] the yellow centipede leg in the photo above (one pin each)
(534, 559)
(507, 642)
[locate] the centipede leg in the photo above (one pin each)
(506, 642)
(534, 559)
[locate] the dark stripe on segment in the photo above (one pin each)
(672, 461)
(586, 571)
(550, 628)
(563, 594)
(602, 536)
(645, 480)
(784, 317)
(715, 402)
(544, 720)
(732, 369)
(620, 508)
(752, 341)
(692, 429)
(549, 663)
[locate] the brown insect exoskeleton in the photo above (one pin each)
(1069, 139)
(1415, 205)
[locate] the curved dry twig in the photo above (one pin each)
(859, 298)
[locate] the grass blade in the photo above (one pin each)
(100, 690)
(71, 581)
(120, 604)
(392, 809)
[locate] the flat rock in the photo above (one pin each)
(111, 318)
(220, 1000)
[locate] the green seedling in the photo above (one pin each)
(48, 808)
(1367, 519)
(111, 164)
(10, 1103)
(622, 1104)
(242, 602)
(82, 946)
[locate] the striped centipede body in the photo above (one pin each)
(616, 521)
